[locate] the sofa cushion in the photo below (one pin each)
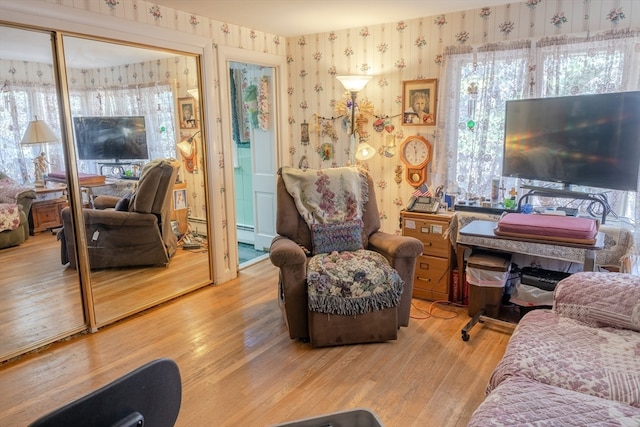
(9, 216)
(10, 190)
(600, 299)
(123, 203)
(521, 401)
(352, 283)
(563, 352)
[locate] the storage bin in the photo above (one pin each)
(352, 418)
(487, 273)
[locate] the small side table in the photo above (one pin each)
(45, 210)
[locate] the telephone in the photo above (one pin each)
(423, 204)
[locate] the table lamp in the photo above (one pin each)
(38, 132)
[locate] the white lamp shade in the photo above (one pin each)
(365, 151)
(38, 132)
(354, 83)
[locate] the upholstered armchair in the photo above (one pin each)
(15, 202)
(134, 230)
(291, 250)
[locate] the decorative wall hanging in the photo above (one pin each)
(187, 112)
(263, 103)
(304, 133)
(326, 151)
(250, 98)
(188, 150)
(419, 100)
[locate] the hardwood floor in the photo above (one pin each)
(239, 367)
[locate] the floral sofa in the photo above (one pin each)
(577, 364)
(15, 204)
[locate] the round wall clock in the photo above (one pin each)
(415, 153)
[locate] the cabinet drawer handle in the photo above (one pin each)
(423, 279)
(428, 244)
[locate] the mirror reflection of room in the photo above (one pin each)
(126, 136)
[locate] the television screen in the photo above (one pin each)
(588, 140)
(111, 138)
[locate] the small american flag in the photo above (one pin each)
(422, 191)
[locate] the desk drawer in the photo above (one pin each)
(431, 280)
(430, 233)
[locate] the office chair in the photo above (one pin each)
(148, 396)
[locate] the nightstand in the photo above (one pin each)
(45, 210)
(432, 279)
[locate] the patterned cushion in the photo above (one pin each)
(520, 401)
(10, 190)
(352, 283)
(566, 353)
(9, 216)
(342, 236)
(600, 299)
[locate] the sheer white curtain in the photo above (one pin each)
(156, 103)
(22, 103)
(478, 84)
(608, 62)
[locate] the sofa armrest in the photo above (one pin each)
(105, 202)
(292, 289)
(600, 299)
(392, 246)
(118, 219)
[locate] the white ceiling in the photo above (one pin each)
(298, 17)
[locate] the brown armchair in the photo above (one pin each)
(134, 230)
(287, 253)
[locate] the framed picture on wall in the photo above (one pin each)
(179, 199)
(187, 113)
(419, 98)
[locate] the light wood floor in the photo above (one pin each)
(239, 366)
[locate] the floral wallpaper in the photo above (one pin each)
(409, 50)
(391, 52)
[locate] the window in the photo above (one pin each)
(478, 82)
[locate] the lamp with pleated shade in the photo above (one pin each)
(38, 132)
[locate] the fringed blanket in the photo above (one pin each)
(352, 283)
(327, 195)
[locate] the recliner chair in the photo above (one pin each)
(128, 232)
(287, 253)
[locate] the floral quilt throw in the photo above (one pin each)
(325, 196)
(9, 216)
(352, 282)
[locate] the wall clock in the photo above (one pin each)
(415, 153)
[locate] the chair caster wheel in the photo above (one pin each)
(465, 336)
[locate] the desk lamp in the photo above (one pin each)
(38, 132)
(355, 84)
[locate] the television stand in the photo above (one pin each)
(564, 194)
(116, 169)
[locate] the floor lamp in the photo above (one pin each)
(38, 132)
(355, 84)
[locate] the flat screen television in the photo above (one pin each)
(114, 138)
(586, 140)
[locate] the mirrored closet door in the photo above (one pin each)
(40, 299)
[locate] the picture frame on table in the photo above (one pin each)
(179, 199)
(187, 112)
(419, 102)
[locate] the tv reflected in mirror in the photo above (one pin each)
(585, 140)
(114, 138)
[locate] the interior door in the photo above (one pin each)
(264, 170)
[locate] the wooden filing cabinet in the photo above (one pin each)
(179, 209)
(432, 279)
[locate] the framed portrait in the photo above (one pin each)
(419, 101)
(187, 113)
(179, 199)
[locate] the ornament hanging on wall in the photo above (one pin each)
(326, 151)
(304, 133)
(303, 163)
